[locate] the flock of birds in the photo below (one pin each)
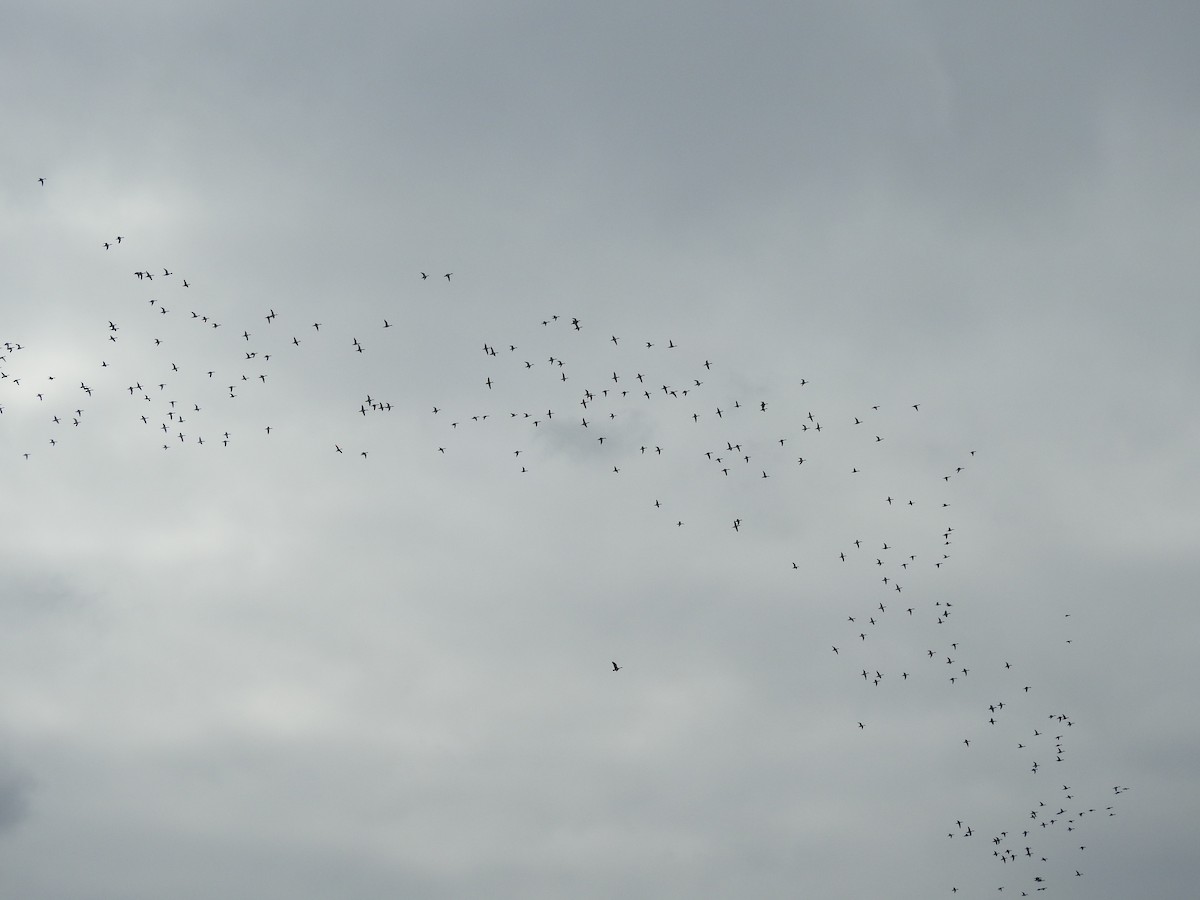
(668, 427)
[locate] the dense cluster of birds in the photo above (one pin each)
(561, 389)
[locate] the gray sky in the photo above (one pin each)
(259, 666)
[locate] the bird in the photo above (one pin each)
(616, 668)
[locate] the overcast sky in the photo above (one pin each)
(369, 651)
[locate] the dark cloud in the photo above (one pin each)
(15, 790)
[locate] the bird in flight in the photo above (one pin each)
(616, 668)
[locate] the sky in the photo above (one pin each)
(882, 321)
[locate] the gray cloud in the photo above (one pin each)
(15, 789)
(269, 664)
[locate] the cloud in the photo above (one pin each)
(15, 790)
